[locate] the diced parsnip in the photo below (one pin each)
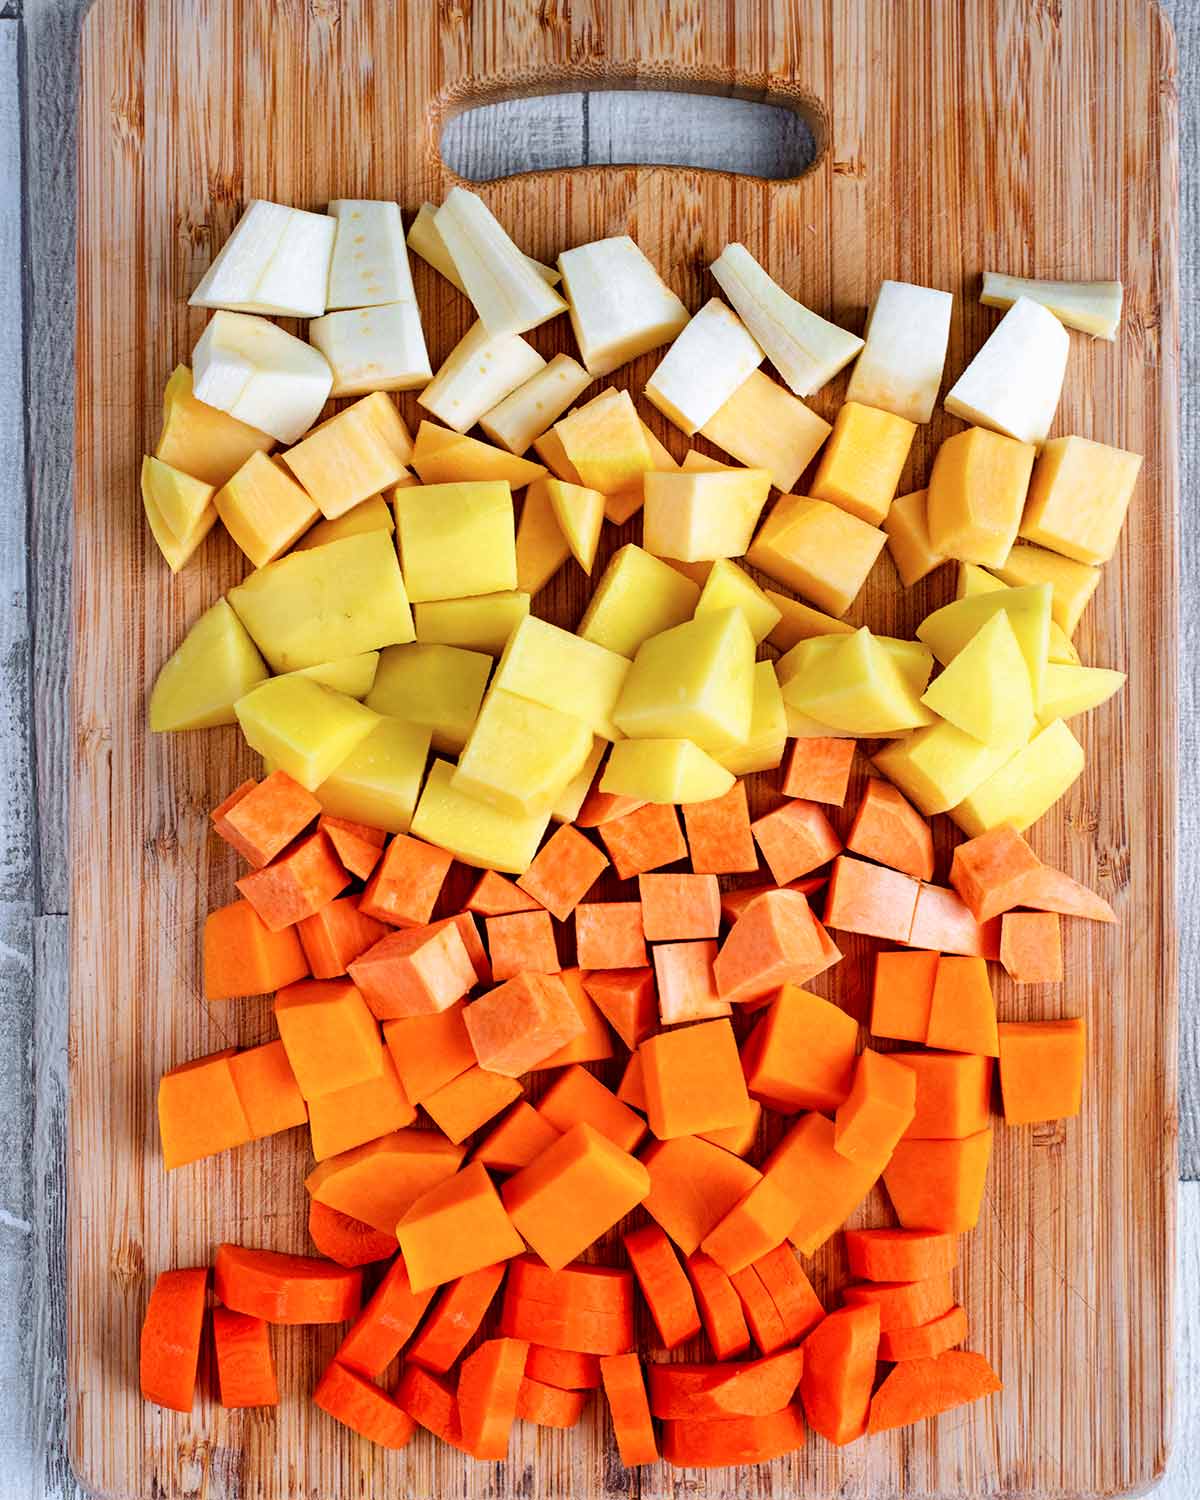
(214, 665)
(378, 348)
(369, 266)
(900, 367)
(1091, 306)
(908, 538)
(275, 262)
(807, 350)
(472, 831)
(533, 407)
(620, 306)
(260, 374)
(1013, 384)
(765, 427)
(710, 359)
(264, 510)
(478, 373)
(425, 240)
(509, 295)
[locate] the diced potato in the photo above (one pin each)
(912, 659)
(729, 587)
(580, 515)
(337, 600)
(533, 407)
(1070, 689)
(175, 549)
(1079, 496)
(605, 443)
(947, 630)
(201, 440)
(261, 374)
(472, 831)
(820, 551)
(900, 367)
(520, 756)
(439, 687)
(908, 538)
(563, 671)
(264, 510)
(509, 295)
(1014, 383)
(694, 682)
(712, 356)
(664, 771)
(374, 514)
(1073, 582)
(976, 495)
(938, 767)
(378, 348)
(863, 460)
(1025, 787)
(444, 457)
(457, 539)
(569, 801)
(541, 547)
(620, 306)
(800, 622)
(352, 675)
(765, 427)
(852, 682)
(180, 501)
(214, 665)
(482, 623)
(346, 459)
(986, 689)
(379, 781)
(303, 728)
(699, 516)
(801, 727)
(764, 746)
(638, 596)
(479, 372)
(974, 580)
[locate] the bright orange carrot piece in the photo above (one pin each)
(819, 770)
(900, 1254)
(1041, 1069)
(406, 882)
(200, 1111)
(461, 1308)
(242, 956)
(790, 1290)
(489, 1386)
(559, 1327)
(795, 839)
(870, 899)
(549, 1405)
(801, 1054)
(939, 1184)
(763, 1318)
(625, 1387)
(887, 828)
(579, 1095)
(962, 1013)
(267, 1087)
(921, 1388)
(734, 1440)
(682, 1392)
(352, 1400)
(495, 895)
(170, 1342)
(245, 1369)
(522, 943)
(664, 1284)
(775, 941)
(903, 1304)
(720, 1307)
(521, 1022)
(335, 936)
(305, 877)
(693, 1185)
(414, 972)
(608, 935)
(626, 999)
(520, 1137)
(1031, 946)
(594, 1043)
(877, 1111)
(924, 1340)
(902, 994)
(943, 923)
(751, 1228)
(564, 1368)
(431, 1403)
(676, 908)
(457, 1227)
(760, 1387)
(953, 1094)
(563, 871)
(386, 1324)
(686, 984)
(461, 1106)
(345, 1240)
(261, 820)
(839, 1369)
(645, 839)
(286, 1288)
(429, 1051)
(359, 847)
(718, 834)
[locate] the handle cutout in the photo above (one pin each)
(716, 132)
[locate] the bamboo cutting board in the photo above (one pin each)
(953, 135)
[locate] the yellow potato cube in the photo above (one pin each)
(346, 459)
(863, 460)
(327, 602)
(908, 541)
(664, 771)
(180, 500)
(541, 547)
(520, 418)
(937, 767)
(444, 457)
(563, 671)
(483, 623)
(638, 596)
(264, 509)
(1070, 689)
(374, 514)
(303, 728)
(457, 539)
(378, 782)
(580, 515)
(1073, 582)
(763, 748)
(947, 630)
(1079, 496)
(986, 689)
(693, 682)
(817, 549)
(472, 831)
(352, 675)
(912, 659)
(973, 580)
(440, 687)
(1025, 787)
(201, 440)
(605, 443)
(800, 622)
(764, 426)
(699, 516)
(729, 587)
(214, 665)
(176, 549)
(977, 490)
(801, 727)
(852, 682)
(570, 799)
(520, 756)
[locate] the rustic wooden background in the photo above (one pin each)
(38, 52)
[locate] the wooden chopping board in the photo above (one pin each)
(954, 135)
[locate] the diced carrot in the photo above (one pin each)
(549, 1405)
(330, 1036)
(521, 1022)
(801, 1054)
(626, 999)
(461, 1106)
(839, 1370)
(335, 936)
(200, 1111)
(644, 839)
(608, 935)
(718, 834)
(267, 1087)
(678, 907)
(738, 1138)
(245, 1368)
(632, 1090)
(953, 1093)
(377, 1182)
(877, 1111)
(819, 770)
(686, 984)
(900, 1254)
(962, 1014)
(943, 923)
(776, 941)
(734, 903)
(298, 882)
(564, 1368)
(495, 895)
(594, 1043)
(432, 1404)
(759, 1387)
(735, 1440)
(348, 1241)
(522, 943)
(693, 1185)
(998, 871)
(458, 1313)
(887, 828)
(795, 839)
(430, 1050)
(363, 1407)
(414, 971)
(751, 1228)
(563, 871)
(583, 1309)
(1041, 1069)
(790, 1290)
(242, 956)
(683, 1392)
(693, 1079)
(579, 1095)
(625, 1387)
(826, 1186)
(386, 1324)
(763, 1318)
(571, 1194)
(925, 1340)
(664, 1283)
(921, 1388)
(286, 1288)
(170, 1340)
(870, 899)
(720, 1307)
(1031, 946)
(489, 1386)
(902, 994)
(261, 820)
(360, 1112)
(604, 807)
(455, 1228)
(406, 882)
(359, 847)
(521, 1136)
(939, 1184)
(903, 1304)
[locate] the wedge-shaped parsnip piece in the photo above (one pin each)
(373, 348)
(370, 261)
(765, 427)
(807, 350)
(259, 374)
(425, 240)
(1091, 306)
(1014, 382)
(713, 355)
(509, 295)
(276, 261)
(620, 306)
(535, 406)
(478, 373)
(900, 367)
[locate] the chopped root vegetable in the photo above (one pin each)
(839, 1370)
(432, 1404)
(564, 1368)
(348, 1241)
(170, 1344)
(626, 999)
(920, 1388)
(286, 1288)
(460, 1310)
(759, 1388)
(763, 1318)
(718, 834)
(245, 1368)
(386, 1324)
(549, 1405)
(900, 1254)
(645, 839)
(496, 896)
(625, 1387)
(1031, 947)
(790, 1290)
(364, 1408)
(887, 828)
(565, 869)
(903, 1304)
(735, 1440)
(664, 1285)
(720, 1307)
(819, 770)
(925, 1340)
(489, 1387)
(1041, 1069)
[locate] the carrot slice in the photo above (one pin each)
(762, 1316)
(664, 1284)
(760, 1387)
(564, 1368)
(363, 1407)
(430, 1402)
(549, 1406)
(286, 1288)
(489, 1385)
(170, 1344)
(736, 1440)
(245, 1369)
(790, 1290)
(625, 1387)
(921, 1388)
(682, 1392)
(348, 1241)
(903, 1304)
(720, 1307)
(900, 1254)
(459, 1312)
(839, 1369)
(386, 1323)
(926, 1340)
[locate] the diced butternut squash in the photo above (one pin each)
(764, 426)
(264, 509)
(700, 516)
(902, 994)
(1073, 583)
(470, 1100)
(378, 1182)
(268, 1090)
(541, 548)
(1078, 497)
(826, 1186)
(907, 528)
(335, 936)
(455, 1228)
(938, 1184)
(1041, 1069)
(202, 440)
(877, 1111)
(578, 1095)
(605, 443)
(962, 1014)
(361, 1112)
(821, 551)
(801, 1054)
(443, 456)
(242, 956)
(976, 495)
(953, 1094)
(863, 460)
(200, 1111)
(693, 1185)
(429, 1050)
(693, 1080)
(330, 1036)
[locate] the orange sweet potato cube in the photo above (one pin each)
(1041, 1069)
(870, 899)
(200, 1111)
(677, 908)
(414, 971)
(522, 943)
(889, 829)
(1031, 946)
(579, 1095)
(962, 1013)
(902, 994)
(472, 942)
(242, 956)
(268, 1090)
(494, 895)
(795, 839)
(734, 903)
(626, 999)
(330, 1036)
(594, 1043)
(944, 924)
(801, 1054)
(461, 1106)
(301, 880)
(406, 883)
(563, 871)
(521, 1022)
(645, 839)
(687, 987)
(429, 1050)
(693, 1080)
(718, 834)
(775, 941)
(359, 847)
(335, 936)
(455, 1228)
(608, 935)
(260, 819)
(819, 770)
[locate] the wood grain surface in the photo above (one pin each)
(1025, 136)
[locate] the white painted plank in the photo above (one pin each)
(1182, 1478)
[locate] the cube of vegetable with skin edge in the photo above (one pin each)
(902, 994)
(455, 1228)
(379, 781)
(361, 1112)
(521, 1022)
(578, 1095)
(708, 361)
(1031, 947)
(697, 517)
(457, 539)
(260, 374)
(519, 755)
(795, 838)
(627, 1000)
(900, 366)
(379, 348)
(470, 830)
(801, 1054)
(406, 883)
(877, 1111)
(275, 261)
(200, 1111)
(298, 882)
(693, 1185)
(938, 1184)
(822, 552)
(555, 668)
(329, 1034)
(352, 456)
(976, 495)
(199, 440)
(483, 623)
(1078, 498)
(687, 990)
(414, 972)
(953, 1094)
(862, 462)
(564, 871)
(1041, 1069)
(693, 1080)
(439, 688)
(522, 943)
(536, 405)
(620, 306)
(1014, 382)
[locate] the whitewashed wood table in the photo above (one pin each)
(38, 55)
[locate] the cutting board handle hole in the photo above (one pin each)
(695, 127)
